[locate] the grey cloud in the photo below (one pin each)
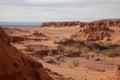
(77, 10)
(86, 3)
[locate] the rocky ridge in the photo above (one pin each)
(99, 30)
(15, 65)
(94, 33)
(105, 22)
(60, 24)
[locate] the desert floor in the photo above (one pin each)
(86, 69)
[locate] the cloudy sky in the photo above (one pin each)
(58, 10)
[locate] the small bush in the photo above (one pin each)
(71, 41)
(87, 56)
(50, 53)
(94, 45)
(117, 49)
(66, 41)
(71, 49)
(111, 46)
(111, 53)
(81, 42)
(73, 52)
(75, 63)
(85, 50)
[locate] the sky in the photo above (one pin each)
(58, 10)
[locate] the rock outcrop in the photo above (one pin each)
(105, 22)
(15, 65)
(94, 33)
(97, 30)
(60, 24)
(15, 39)
(36, 33)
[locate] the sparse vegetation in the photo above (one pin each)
(111, 52)
(83, 47)
(66, 41)
(81, 42)
(75, 63)
(73, 52)
(85, 50)
(50, 53)
(87, 56)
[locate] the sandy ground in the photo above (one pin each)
(86, 69)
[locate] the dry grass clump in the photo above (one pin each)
(75, 63)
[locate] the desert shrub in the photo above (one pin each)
(66, 41)
(118, 49)
(73, 52)
(111, 52)
(71, 42)
(71, 49)
(60, 50)
(111, 46)
(87, 56)
(85, 50)
(75, 63)
(81, 42)
(50, 53)
(97, 51)
(94, 45)
(108, 49)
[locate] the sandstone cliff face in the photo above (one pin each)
(89, 31)
(94, 33)
(97, 30)
(60, 24)
(14, 65)
(106, 23)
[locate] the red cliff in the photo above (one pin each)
(105, 22)
(14, 65)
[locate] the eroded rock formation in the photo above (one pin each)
(15, 65)
(94, 33)
(61, 24)
(97, 30)
(105, 22)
